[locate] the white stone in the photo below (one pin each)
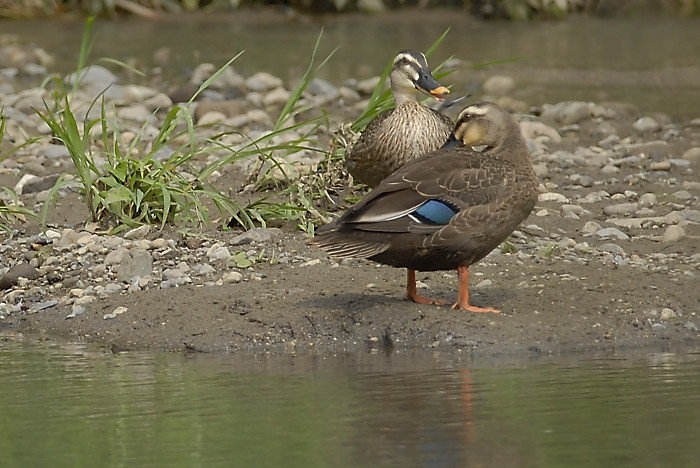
(232, 277)
(673, 233)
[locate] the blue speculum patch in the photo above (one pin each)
(435, 212)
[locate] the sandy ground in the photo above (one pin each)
(561, 303)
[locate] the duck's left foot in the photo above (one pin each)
(475, 309)
(415, 297)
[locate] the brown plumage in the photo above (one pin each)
(409, 130)
(447, 209)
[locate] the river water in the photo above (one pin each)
(81, 406)
(652, 62)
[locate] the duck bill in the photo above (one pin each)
(427, 85)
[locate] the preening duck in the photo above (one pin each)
(405, 132)
(447, 209)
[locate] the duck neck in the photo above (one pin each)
(508, 148)
(401, 97)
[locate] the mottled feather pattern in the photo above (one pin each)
(395, 137)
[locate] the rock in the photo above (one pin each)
(620, 209)
(263, 81)
(590, 227)
(203, 269)
(259, 116)
(76, 310)
(232, 277)
(567, 113)
(574, 211)
(667, 313)
(660, 166)
(227, 108)
(534, 129)
(612, 232)
(348, 95)
(135, 113)
(498, 85)
(115, 313)
(276, 97)
(609, 169)
(682, 195)
(646, 125)
(612, 248)
(40, 184)
(552, 196)
(582, 180)
(370, 6)
(541, 170)
(93, 76)
(319, 87)
(647, 200)
(218, 252)
(367, 86)
(138, 232)
(117, 256)
(21, 270)
(692, 155)
(258, 235)
(673, 234)
(137, 263)
(212, 118)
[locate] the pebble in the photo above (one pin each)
(218, 252)
(263, 81)
(498, 85)
(667, 313)
(13, 274)
(232, 277)
(620, 209)
(673, 234)
(692, 154)
(646, 125)
(590, 227)
(115, 313)
(256, 235)
(660, 166)
(647, 200)
(551, 196)
(612, 232)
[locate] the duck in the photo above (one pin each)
(405, 132)
(447, 209)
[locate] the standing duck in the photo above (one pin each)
(409, 130)
(447, 209)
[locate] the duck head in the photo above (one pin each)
(483, 124)
(410, 72)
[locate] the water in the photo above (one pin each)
(648, 61)
(79, 406)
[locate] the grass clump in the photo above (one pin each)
(125, 186)
(11, 209)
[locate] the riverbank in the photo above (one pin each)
(609, 258)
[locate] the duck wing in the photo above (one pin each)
(424, 195)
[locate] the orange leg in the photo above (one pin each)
(412, 293)
(463, 297)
